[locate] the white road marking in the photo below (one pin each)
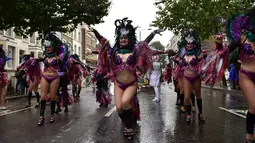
(232, 112)
(17, 111)
(110, 112)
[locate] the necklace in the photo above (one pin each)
(124, 51)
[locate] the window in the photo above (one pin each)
(25, 38)
(74, 37)
(18, 36)
(71, 47)
(33, 39)
(9, 32)
(79, 51)
(10, 54)
(79, 36)
(75, 51)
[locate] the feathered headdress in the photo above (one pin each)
(242, 24)
(52, 40)
(125, 27)
(190, 36)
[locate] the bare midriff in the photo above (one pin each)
(190, 73)
(125, 76)
(50, 73)
(249, 66)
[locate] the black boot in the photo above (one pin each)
(128, 123)
(29, 99)
(250, 122)
(178, 98)
(58, 107)
(52, 111)
(66, 109)
(78, 93)
(121, 115)
(182, 102)
(192, 97)
(188, 109)
(200, 109)
(74, 94)
(42, 110)
(37, 99)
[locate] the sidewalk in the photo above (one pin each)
(218, 87)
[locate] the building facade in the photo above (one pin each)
(16, 46)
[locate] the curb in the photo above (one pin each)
(224, 89)
(15, 97)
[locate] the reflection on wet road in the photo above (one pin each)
(160, 122)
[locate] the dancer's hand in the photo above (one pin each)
(158, 31)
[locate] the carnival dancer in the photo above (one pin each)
(33, 74)
(103, 96)
(75, 71)
(56, 56)
(64, 98)
(191, 66)
(241, 31)
(3, 78)
(177, 76)
(217, 61)
(121, 64)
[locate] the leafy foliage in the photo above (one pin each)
(205, 16)
(28, 16)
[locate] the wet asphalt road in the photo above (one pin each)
(160, 122)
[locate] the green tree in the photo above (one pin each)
(29, 16)
(157, 45)
(205, 16)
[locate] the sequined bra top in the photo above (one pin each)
(193, 64)
(128, 65)
(53, 65)
(246, 53)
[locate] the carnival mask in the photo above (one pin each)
(47, 43)
(190, 39)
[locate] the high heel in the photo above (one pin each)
(66, 109)
(188, 120)
(41, 121)
(129, 133)
(52, 119)
(183, 109)
(201, 118)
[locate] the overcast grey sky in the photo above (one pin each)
(142, 12)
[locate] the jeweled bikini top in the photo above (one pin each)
(247, 54)
(120, 65)
(53, 65)
(193, 64)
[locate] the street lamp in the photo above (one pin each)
(140, 32)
